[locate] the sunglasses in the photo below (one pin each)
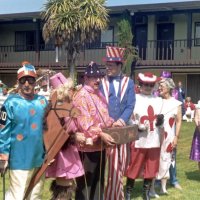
(148, 84)
(30, 80)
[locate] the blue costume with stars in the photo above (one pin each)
(21, 133)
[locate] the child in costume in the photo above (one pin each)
(189, 110)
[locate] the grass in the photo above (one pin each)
(187, 173)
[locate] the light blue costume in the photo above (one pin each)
(21, 134)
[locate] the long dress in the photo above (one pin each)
(67, 163)
(195, 147)
(170, 109)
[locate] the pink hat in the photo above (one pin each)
(57, 80)
(114, 54)
(147, 77)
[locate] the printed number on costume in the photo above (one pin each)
(3, 116)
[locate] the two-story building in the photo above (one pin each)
(167, 36)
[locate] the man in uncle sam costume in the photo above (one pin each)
(119, 93)
(21, 135)
(145, 152)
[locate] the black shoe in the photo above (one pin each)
(129, 188)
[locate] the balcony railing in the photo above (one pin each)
(169, 52)
(154, 52)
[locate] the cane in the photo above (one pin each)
(3, 175)
(4, 186)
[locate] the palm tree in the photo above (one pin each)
(125, 40)
(72, 23)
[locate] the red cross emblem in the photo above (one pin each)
(150, 117)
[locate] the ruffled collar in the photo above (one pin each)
(97, 92)
(89, 89)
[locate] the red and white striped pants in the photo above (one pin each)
(116, 167)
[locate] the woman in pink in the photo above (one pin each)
(67, 164)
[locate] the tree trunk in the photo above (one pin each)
(70, 63)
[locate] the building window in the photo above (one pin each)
(107, 37)
(197, 34)
(102, 39)
(25, 40)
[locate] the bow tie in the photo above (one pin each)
(117, 78)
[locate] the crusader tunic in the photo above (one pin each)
(145, 151)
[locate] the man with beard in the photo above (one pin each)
(21, 135)
(93, 117)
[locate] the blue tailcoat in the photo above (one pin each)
(120, 106)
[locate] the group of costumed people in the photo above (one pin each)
(80, 118)
(101, 104)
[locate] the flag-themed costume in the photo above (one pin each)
(120, 107)
(120, 96)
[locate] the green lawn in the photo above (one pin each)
(188, 173)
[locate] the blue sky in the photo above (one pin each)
(18, 6)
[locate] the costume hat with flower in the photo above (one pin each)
(114, 54)
(92, 70)
(166, 74)
(26, 70)
(147, 77)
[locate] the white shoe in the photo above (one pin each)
(153, 195)
(163, 192)
(177, 186)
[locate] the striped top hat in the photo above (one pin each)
(114, 54)
(26, 70)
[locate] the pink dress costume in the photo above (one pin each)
(169, 110)
(67, 163)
